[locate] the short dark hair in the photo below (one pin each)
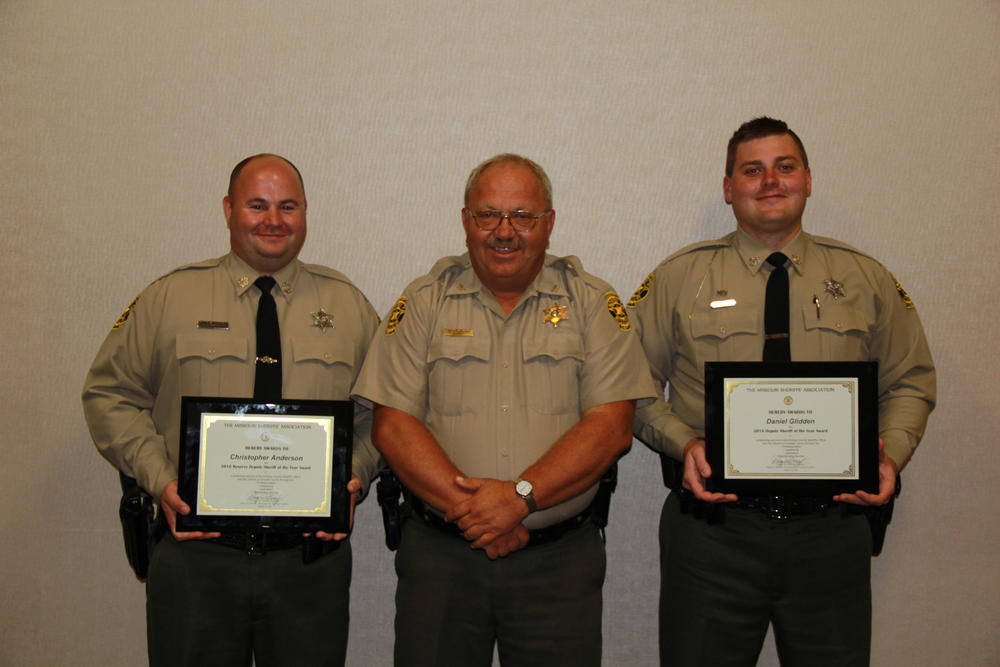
(758, 128)
(245, 161)
(511, 158)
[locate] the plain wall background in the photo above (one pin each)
(120, 121)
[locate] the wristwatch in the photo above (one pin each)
(526, 490)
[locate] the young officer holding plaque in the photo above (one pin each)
(769, 292)
(257, 323)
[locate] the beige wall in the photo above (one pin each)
(119, 122)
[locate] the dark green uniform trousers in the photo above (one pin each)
(722, 584)
(213, 606)
(539, 606)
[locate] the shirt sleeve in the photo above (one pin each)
(614, 367)
(907, 378)
(365, 459)
(656, 424)
(395, 371)
(119, 396)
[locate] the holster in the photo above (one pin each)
(673, 472)
(142, 526)
(880, 517)
(600, 508)
(389, 491)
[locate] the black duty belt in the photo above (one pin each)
(256, 541)
(783, 507)
(537, 537)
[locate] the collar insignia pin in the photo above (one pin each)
(243, 282)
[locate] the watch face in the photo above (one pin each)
(524, 488)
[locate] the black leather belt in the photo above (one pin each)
(783, 507)
(255, 541)
(537, 536)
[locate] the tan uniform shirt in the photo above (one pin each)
(863, 315)
(498, 390)
(166, 345)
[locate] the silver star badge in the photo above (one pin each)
(833, 287)
(322, 319)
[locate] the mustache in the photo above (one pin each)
(510, 244)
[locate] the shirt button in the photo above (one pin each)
(327, 355)
(722, 331)
(506, 364)
(505, 408)
(211, 351)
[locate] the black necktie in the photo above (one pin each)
(776, 344)
(267, 379)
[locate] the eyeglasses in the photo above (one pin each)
(521, 221)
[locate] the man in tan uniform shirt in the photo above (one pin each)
(503, 383)
(193, 332)
(723, 582)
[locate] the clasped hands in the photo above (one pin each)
(490, 516)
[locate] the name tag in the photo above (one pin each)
(722, 303)
(208, 324)
(458, 332)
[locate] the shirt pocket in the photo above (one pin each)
(459, 374)
(725, 334)
(841, 332)
(552, 367)
(321, 367)
(211, 363)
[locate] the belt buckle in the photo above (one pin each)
(778, 507)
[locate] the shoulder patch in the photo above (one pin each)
(617, 311)
(123, 318)
(642, 292)
(907, 301)
(396, 315)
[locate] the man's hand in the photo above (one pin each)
(353, 487)
(509, 543)
(493, 510)
(171, 505)
(887, 471)
(697, 470)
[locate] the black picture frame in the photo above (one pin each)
(717, 375)
(336, 517)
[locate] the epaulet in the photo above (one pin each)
(840, 245)
(327, 272)
(714, 244)
(573, 265)
(203, 264)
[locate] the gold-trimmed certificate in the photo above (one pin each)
(800, 428)
(282, 464)
(265, 464)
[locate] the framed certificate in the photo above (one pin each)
(807, 428)
(282, 464)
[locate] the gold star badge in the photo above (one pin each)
(322, 319)
(243, 282)
(556, 314)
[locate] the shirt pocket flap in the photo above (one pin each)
(554, 347)
(456, 348)
(726, 322)
(320, 349)
(211, 346)
(838, 317)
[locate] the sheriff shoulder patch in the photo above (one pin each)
(642, 292)
(396, 315)
(907, 301)
(123, 318)
(617, 311)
